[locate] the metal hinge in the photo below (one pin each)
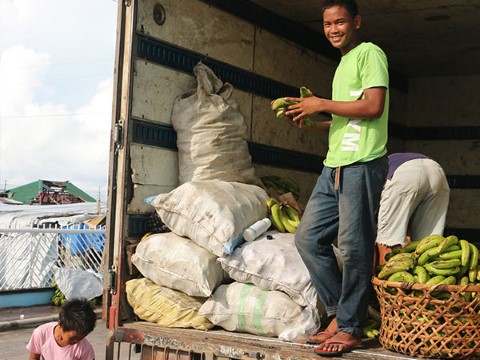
(118, 136)
(112, 279)
(128, 2)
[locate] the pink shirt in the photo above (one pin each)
(43, 342)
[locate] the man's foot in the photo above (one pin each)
(338, 344)
(322, 336)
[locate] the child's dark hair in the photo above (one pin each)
(77, 314)
(350, 5)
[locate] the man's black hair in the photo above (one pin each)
(78, 315)
(350, 5)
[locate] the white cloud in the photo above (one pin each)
(56, 91)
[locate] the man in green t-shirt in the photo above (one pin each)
(344, 202)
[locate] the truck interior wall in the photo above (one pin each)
(225, 38)
(256, 51)
(444, 110)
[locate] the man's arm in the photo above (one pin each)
(371, 106)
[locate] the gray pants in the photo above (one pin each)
(415, 200)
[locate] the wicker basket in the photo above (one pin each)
(429, 321)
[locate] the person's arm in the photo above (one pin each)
(34, 356)
(371, 106)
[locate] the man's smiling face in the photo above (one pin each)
(340, 28)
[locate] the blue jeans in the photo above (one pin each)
(347, 214)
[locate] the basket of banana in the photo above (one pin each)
(429, 295)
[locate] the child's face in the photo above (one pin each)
(340, 28)
(65, 338)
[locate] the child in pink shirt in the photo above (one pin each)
(65, 339)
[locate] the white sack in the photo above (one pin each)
(246, 308)
(211, 132)
(164, 306)
(272, 265)
(178, 263)
(212, 213)
(75, 283)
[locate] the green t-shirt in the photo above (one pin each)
(357, 140)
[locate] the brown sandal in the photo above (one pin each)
(315, 339)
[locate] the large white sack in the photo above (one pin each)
(164, 306)
(272, 265)
(212, 213)
(211, 132)
(246, 308)
(178, 263)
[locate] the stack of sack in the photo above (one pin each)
(202, 274)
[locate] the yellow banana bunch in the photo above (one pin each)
(274, 214)
(290, 218)
(283, 217)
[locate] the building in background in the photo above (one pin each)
(45, 192)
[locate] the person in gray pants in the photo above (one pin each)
(414, 201)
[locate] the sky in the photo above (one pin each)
(56, 91)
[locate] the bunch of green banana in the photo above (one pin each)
(397, 263)
(283, 217)
(371, 329)
(434, 260)
(279, 105)
(58, 298)
(281, 185)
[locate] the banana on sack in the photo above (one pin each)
(290, 184)
(292, 213)
(445, 272)
(427, 243)
(304, 93)
(465, 246)
(401, 276)
(289, 224)
(276, 217)
(270, 202)
(273, 183)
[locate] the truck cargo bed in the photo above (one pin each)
(214, 344)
